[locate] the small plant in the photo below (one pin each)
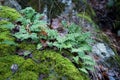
(74, 40)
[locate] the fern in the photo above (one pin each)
(52, 34)
(75, 40)
(8, 42)
(28, 12)
(38, 26)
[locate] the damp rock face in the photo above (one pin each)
(12, 4)
(102, 50)
(51, 66)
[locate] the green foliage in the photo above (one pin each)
(9, 13)
(31, 25)
(8, 42)
(75, 40)
(86, 17)
(39, 46)
(28, 12)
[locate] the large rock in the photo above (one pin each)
(102, 50)
(12, 4)
(50, 66)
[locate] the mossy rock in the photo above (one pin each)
(25, 75)
(6, 25)
(59, 67)
(9, 13)
(7, 46)
(6, 63)
(6, 49)
(6, 40)
(50, 65)
(27, 46)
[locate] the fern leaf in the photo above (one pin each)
(83, 70)
(39, 46)
(76, 59)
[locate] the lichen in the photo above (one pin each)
(50, 64)
(9, 13)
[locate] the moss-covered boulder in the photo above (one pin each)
(7, 16)
(6, 63)
(7, 46)
(9, 13)
(27, 46)
(48, 65)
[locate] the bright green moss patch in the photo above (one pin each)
(49, 63)
(4, 22)
(27, 46)
(56, 66)
(25, 75)
(6, 50)
(9, 13)
(6, 44)
(6, 63)
(6, 40)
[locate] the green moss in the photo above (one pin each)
(4, 22)
(6, 50)
(6, 63)
(25, 75)
(9, 13)
(5, 35)
(51, 64)
(57, 66)
(27, 46)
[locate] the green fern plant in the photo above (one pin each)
(75, 40)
